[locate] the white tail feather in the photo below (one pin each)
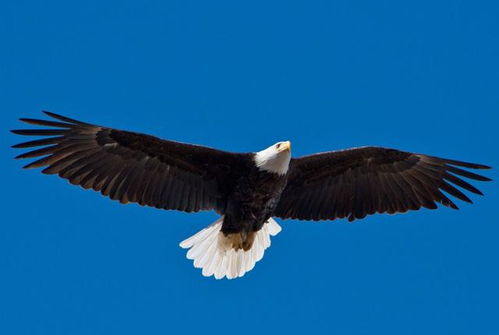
(211, 253)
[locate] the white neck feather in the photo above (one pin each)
(272, 160)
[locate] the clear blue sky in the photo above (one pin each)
(420, 76)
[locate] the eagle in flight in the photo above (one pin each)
(246, 189)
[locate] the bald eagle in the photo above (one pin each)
(246, 189)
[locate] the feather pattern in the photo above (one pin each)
(207, 250)
(357, 182)
(133, 167)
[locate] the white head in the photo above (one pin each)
(275, 158)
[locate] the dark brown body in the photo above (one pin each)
(252, 202)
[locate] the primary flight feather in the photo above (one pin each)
(246, 189)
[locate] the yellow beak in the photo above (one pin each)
(285, 146)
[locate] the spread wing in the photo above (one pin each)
(357, 182)
(133, 167)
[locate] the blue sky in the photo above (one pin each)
(420, 76)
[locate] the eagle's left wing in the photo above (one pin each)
(356, 182)
(133, 167)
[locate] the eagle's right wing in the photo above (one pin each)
(357, 182)
(133, 167)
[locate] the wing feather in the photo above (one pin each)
(358, 182)
(133, 167)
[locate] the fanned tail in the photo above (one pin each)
(211, 252)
